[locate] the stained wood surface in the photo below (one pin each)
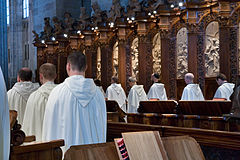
(182, 148)
(101, 151)
(222, 139)
(144, 145)
(158, 106)
(37, 151)
(209, 108)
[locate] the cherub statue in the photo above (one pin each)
(115, 10)
(57, 26)
(133, 7)
(68, 22)
(82, 19)
(47, 28)
(36, 36)
(97, 13)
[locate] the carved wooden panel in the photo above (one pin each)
(212, 49)
(134, 57)
(182, 53)
(99, 63)
(156, 53)
(115, 59)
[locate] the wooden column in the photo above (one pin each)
(145, 61)
(165, 47)
(124, 58)
(193, 51)
(228, 49)
(106, 64)
(91, 55)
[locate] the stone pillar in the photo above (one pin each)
(106, 64)
(3, 41)
(145, 61)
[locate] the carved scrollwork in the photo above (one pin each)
(212, 50)
(182, 53)
(98, 63)
(115, 59)
(134, 57)
(156, 53)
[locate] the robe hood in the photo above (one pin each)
(25, 88)
(46, 89)
(117, 88)
(139, 89)
(195, 88)
(83, 89)
(228, 86)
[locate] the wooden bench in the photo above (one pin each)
(115, 113)
(164, 107)
(37, 150)
(224, 144)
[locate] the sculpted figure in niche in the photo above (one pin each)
(212, 56)
(57, 26)
(134, 55)
(68, 22)
(47, 28)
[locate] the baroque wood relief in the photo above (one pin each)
(98, 63)
(156, 53)
(182, 53)
(115, 59)
(234, 39)
(212, 50)
(134, 57)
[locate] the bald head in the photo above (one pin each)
(189, 77)
(24, 74)
(132, 81)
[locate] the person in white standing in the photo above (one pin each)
(4, 121)
(225, 89)
(35, 108)
(191, 92)
(157, 90)
(135, 95)
(20, 92)
(76, 108)
(116, 92)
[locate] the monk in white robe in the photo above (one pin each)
(4, 121)
(225, 89)
(98, 84)
(135, 95)
(76, 108)
(35, 108)
(20, 92)
(191, 92)
(116, 92)
(157, 90)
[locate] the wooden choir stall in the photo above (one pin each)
(201, 37)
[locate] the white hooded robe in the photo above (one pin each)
(4, 121)
(192, 92)
(18, 96)
(116, 92)
(136, 95)
(75, 112)
(224, 91)
(35, 109)
(158, 91)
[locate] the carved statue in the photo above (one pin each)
(135, 54)
(57, 26)
(47, 28)
(115, 10)
(35, 36)
(133, 7)
(97, 13)
(156, 53)
(68, 22)
(82, 19)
